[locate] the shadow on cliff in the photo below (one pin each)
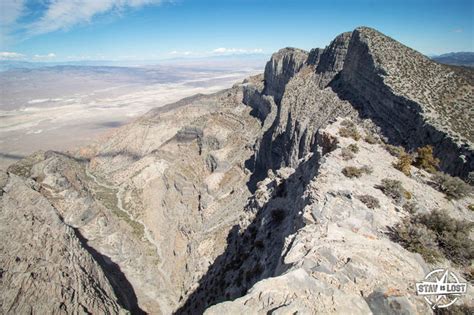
(255, 252)
(123, 289)
(401, 122)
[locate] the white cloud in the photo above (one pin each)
(8, 55)
(10, 11)
(45, 57)
(181, 53)
(60, 14)
(223, 50)
(458, 30)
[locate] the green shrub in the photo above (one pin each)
(394, 189)
(453, 187)
(417, 238)
(403, 163)
(394, 150)
(425, 159)
(370, 201)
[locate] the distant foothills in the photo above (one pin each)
(456, 58)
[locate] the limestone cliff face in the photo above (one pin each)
(281, 68)
(413, 99)
(297, 83)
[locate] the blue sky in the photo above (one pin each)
(59, 30)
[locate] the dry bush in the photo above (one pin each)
(370, 139)
(410, 207)
(353, 147)
(455, 309)
(370, 201)
(403, 164)
(394, 189)
(367, 169)
(453, 187)
(352, 171)
(470, 178)
(349, 130)
(453, 236)
(417, 238)
(425, 159)
(347, 154)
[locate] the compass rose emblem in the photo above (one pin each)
(441, 288)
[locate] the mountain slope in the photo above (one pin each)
(243, 201)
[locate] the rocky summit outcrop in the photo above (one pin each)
(276, 196)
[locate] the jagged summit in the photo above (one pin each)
(277, 195)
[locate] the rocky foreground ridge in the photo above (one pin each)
(287, 193)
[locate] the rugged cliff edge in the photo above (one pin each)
(267, 197)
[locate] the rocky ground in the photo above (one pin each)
(291, 192)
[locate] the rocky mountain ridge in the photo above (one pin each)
(240, 202)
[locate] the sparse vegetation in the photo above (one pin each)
(455, 309)
(367, 169)
(417, 238)
(352, 171)
(394, 189)
(349, 130)
(453, 187)
(403, 163)
(347, 154)
(369, 138)
(436, 233)
(370, 201)
(452, 235)
(470, 178)
(425, 159)
(410, 207)
(394, 150)
(353, 147)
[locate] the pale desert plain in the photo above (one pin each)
(65, 107)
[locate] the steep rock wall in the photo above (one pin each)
(402, 120)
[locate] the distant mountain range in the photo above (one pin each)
(456, 58)
(6, 65)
